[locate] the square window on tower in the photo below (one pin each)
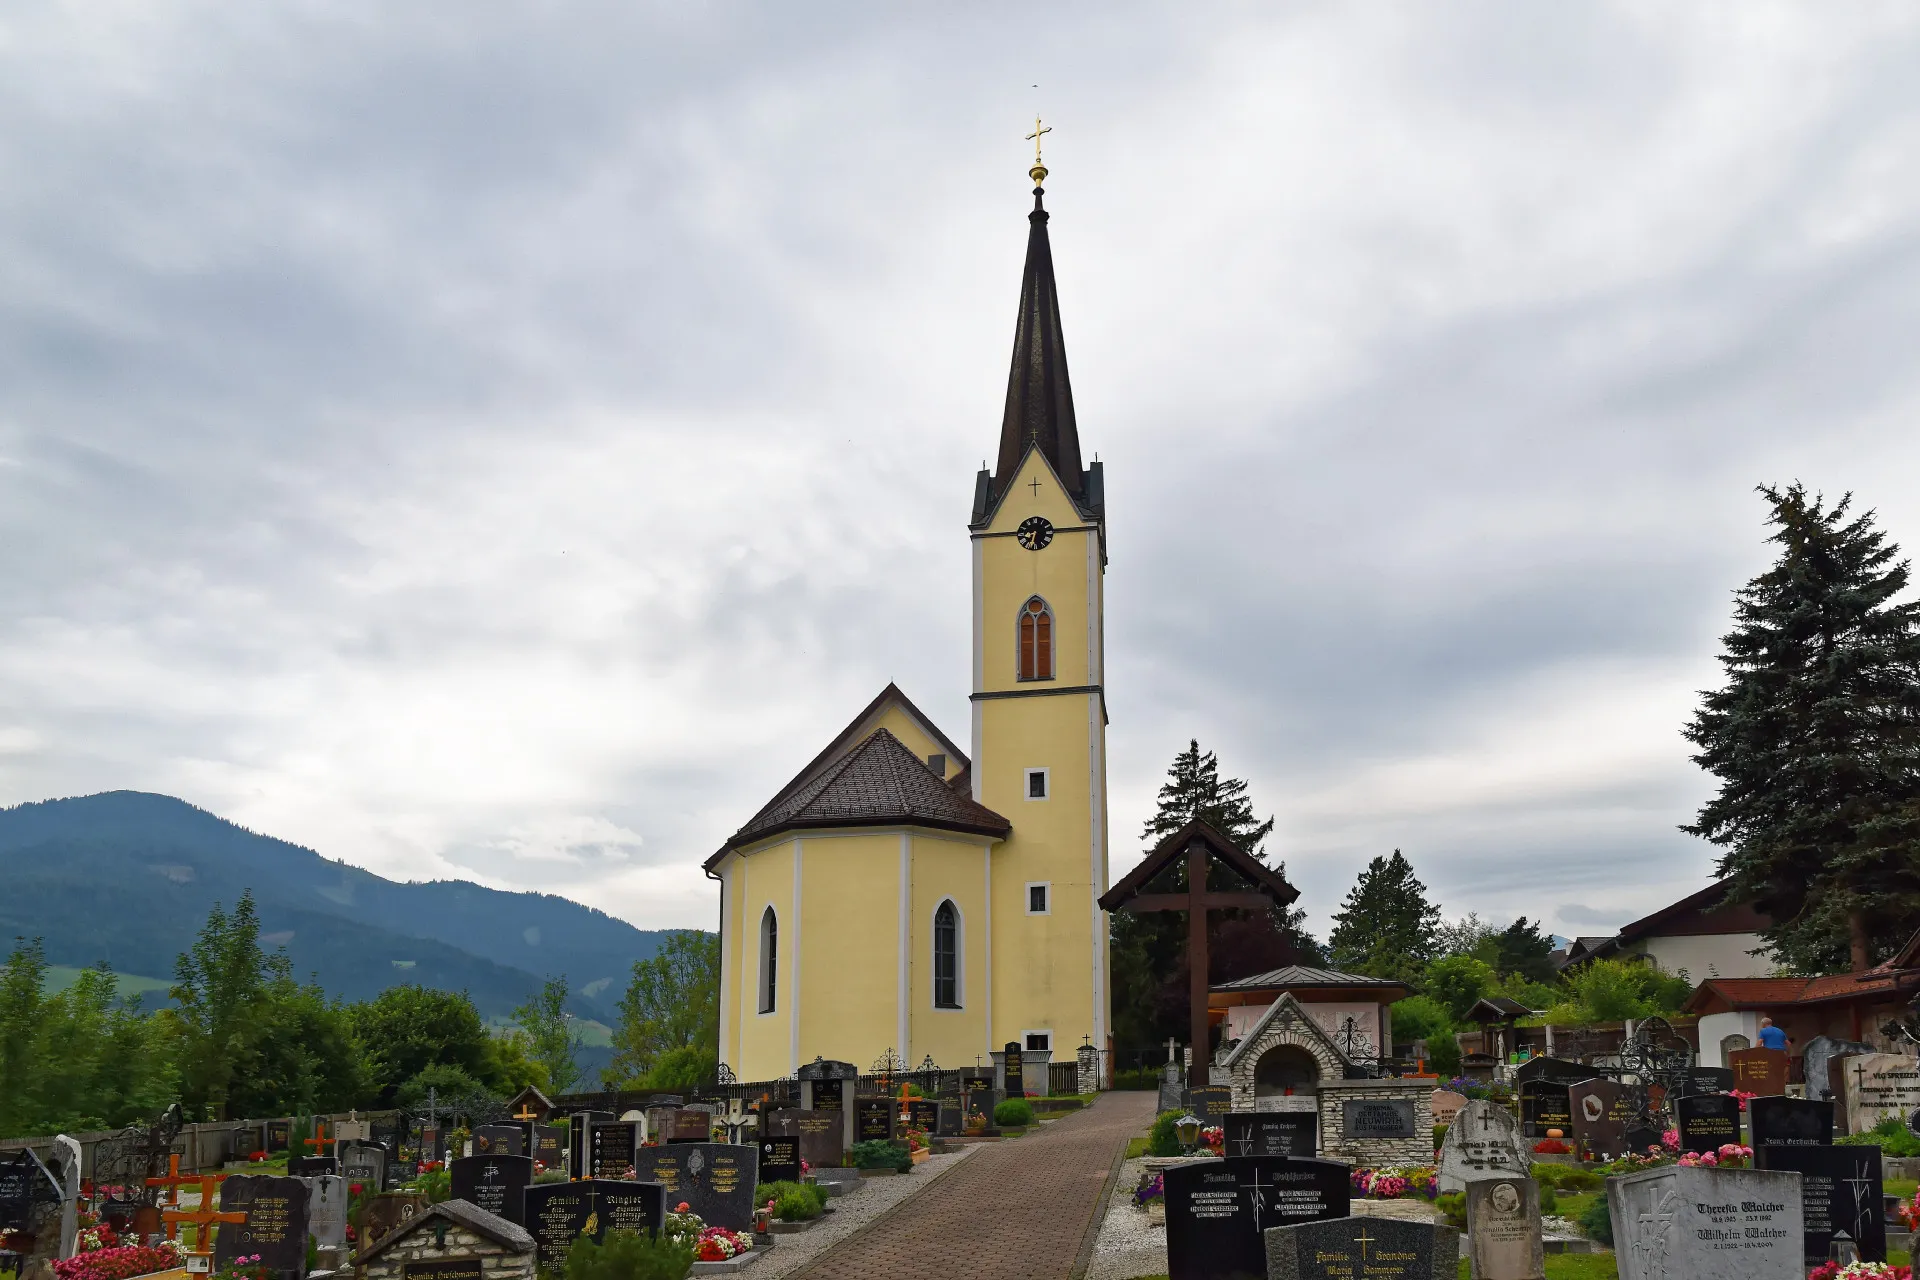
(1036, 784)
(1037, 904)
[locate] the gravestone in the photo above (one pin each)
(276, 1225)
(872, 1119)
(549, 1145)
(1272, 1133)
(1708, 1121)
(24, 1182)
(715, 1179)
(1790, 1122)
(1640, 1139)
(1376, 1248)
(1483, 1141)
(388, 1211)
(1217, 1209)
(495, 1183)
(1210, 1103)
(1173, 1089)
(822, 1137)
(579, 1146)
(1544, 1105)
(923, 1114)
(1446, 1105)
(558, 1213)
(1677, 1223)
(1840, 1190)
(1878, 1086)
(952, 1120)
(1819, 1055)
(1503, 1229)
(279, 1135)
(1760, 1071)
(312, 1166)
(499, 1140)
(1601, 1111)
(365, 1165)
(779, 1159)
(353, 1130)
(1377, 1118)
(1551, 1070)
(1013, 1071)
(610, 1148)
(691, 1124)
(1706, 1080)
(327, 1199)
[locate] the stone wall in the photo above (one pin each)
(495, 1262)
(1375, 1152)
(1287, 1028)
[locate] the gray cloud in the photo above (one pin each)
(509, 443)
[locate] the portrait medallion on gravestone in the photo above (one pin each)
(1272, 1133)
(276, 1225)
(499, 1140)
(715, 1179)
(923, 1114)
(365, 1166)
(822, 1136)
(1483, 1140)
(312, 1166)
(327, 1198)
(1680, 1223)
(1544, 1105)
(1210, 1103)
(1377, 1118)
(1376, 1248)
(1790, 1122)
(1504, 1238)
(1217, 1210)
(279, 1135)
(1708, 1121)
(872, 1119)
(1840, 1190)
(779, 1159)
(1760, 1071)
(495, 1183)
(611, 1148)
(1600, 1111)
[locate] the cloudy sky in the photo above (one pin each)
(506, 440)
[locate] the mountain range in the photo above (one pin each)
(128, 878)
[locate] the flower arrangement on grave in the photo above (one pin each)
(976, 1122)
(94, 1236)
(120, 1261)
(1467, 1087)
(1213, 1141)
(245, 1267)
(1730, 1156)
(916, 1139)
(1860, 1271)
(1153, 1186)
(717, 1244)
(1399, 1182)
(1744, 1097)
(258, 1157)
(1551, 1147)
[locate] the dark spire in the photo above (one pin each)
(1039, 396)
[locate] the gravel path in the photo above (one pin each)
(1127, 1246)
(850, 1213)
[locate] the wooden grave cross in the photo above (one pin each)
(204, 1218)
(173, 1181)
(320, 1141)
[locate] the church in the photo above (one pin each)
(902, 895)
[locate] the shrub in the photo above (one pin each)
(881, 1154)
(1453, 1205)
(1161, 1139)
(1136, 1079)
(1565, 1177)
(1597, 1221)
(1549, 1202)
(792, 1201)
(628, 1255)
(1014, 1111)
(1890, 1135)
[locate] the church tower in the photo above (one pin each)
(1039, 711)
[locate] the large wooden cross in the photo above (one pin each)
(203, 1219)
(173, 1181)
(1201, 845)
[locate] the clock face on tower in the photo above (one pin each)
(1034, 533)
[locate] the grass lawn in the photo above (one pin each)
(1136, 1147)
(1572, 1266)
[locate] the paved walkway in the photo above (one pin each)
(1013, 1210)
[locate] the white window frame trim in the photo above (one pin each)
(959, 958)
(1026, 785)
(1027, 902)
(1053, 643)
(1037, 1031)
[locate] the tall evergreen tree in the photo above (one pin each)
(1386, 927)
(1815, 738)
(1195, 789)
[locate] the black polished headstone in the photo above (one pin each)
(923, 1114)
(1840, 1190)
(559, 1212)
(1779, 1121)
(822, 1135)
(495, 1183)
(276, 1225)
(716, 1180)
(1376, 1248)
(311, 1166)
(1556, 1070)
(499, 1140)
(1217, 1209)
(579, 1148)
(549, 1145)
(779, 1159)
(1272, 1133)
(1638, 1138)
(1706, 1080)
(1015, 1070)
(1544, 1105)
(24, 1182)
(1708, 1121)
(873, 1119)
(279, 1135)
(610, 1148)
(1209, 1104)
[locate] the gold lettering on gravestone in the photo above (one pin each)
(666, 1173)
(268, 1219)
(442, 1269)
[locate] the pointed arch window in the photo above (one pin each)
(946, 956)
(1036, 640)
(769, 959)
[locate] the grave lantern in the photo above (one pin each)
(1188, 1129)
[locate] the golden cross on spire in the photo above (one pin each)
(1039, 171)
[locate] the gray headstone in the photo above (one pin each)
(1503, 1229)
(1483, 1141)
(1819, 1052)
(1377, 1248)
(327, 1210)
(70, 1160)
(1676, 1223)
(1879, 1086)
(823, 1138)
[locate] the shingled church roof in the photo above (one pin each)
(878, 783)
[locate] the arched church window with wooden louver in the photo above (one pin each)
(1036, 640)
(769, 959)
(946, 956)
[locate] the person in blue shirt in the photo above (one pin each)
(1771, 1037)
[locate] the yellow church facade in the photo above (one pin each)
(900, 896)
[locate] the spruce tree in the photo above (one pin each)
(1194, 789)
(1386, 927)
(1815, 738)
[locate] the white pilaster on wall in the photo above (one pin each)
(793, 970)
(1096, 869)
(905, 1029)
(740, 951)
(727, 969)
(979, 661)
(986, 967)
(1093, 606)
